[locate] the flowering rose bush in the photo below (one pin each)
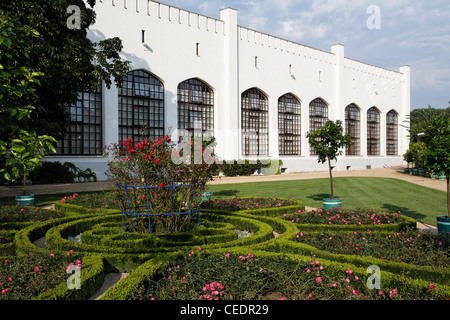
(405, 246)
(226, 276)
(339, 217)
(236, 203)
(161, 175)
(23, 278)
(23, 214)
(103, 200)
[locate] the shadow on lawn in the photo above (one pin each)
(404, 211)
(320, 196)
(225, 193)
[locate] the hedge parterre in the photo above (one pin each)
(287, 254)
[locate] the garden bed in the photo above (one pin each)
(250, 276)
(255, 266)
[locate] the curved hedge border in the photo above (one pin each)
(92, 275)
(272, 212)
(407, 222)
(57, 236)
(107, 247)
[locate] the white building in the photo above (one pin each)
(190, 69)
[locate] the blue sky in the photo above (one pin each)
(411, 32)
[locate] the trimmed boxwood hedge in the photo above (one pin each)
(92, 276)
(107, 247)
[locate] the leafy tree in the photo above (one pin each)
(43, 65)
(437, 156)
(328, 142)
(415, 154)
(419, 120)
(21, 151)
(25, 154)
(66, 59)
(18, 81)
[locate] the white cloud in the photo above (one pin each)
(257, 22)
(292, 30)
(428, 73)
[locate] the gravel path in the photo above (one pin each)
(110, 280)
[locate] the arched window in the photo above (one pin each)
(141, 106)
(255, 134)
(84, 134)
(373, 132)
(318, 116)
(352, 126)
(289, 125)
(195, 106)
(391, 133)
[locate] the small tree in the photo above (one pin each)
(416, 152)
(24, 154)
(437, 156)
(328, 142)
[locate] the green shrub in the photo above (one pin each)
(92, 275)
(23, 278)
(27, 214)
(239, 204)
(248, 276)
(406, 246)
(52, 172)
(233, 168)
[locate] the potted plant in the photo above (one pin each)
(23, 155)
(436, 159)
(408, 157)
(415, 153)
(329, 142)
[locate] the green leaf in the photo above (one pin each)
(17, 148)
(7, 176)
(10, 161)
(15, 173)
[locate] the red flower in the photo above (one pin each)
(145, 156)
(161, 185)
(157, 160)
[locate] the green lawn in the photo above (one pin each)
(388, 194)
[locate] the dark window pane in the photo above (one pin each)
(318, 116)
(289, 128)
(255, 124)
(85, 121)
(195, 106)
(391, 133)
(352, 126)
(138, 98)
(373, 132)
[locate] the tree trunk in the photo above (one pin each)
(331, 178)
(448, 196)
(24, 183)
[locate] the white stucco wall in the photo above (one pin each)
(226, 62)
